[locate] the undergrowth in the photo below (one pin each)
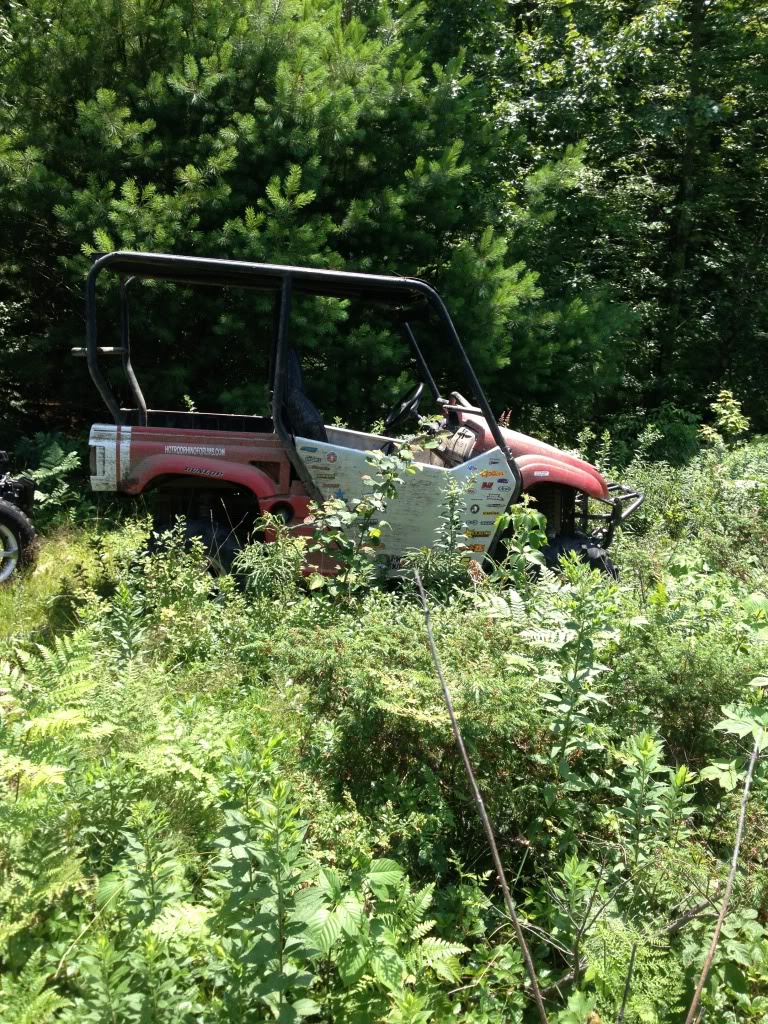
(239, 800)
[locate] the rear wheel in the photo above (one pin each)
(220, 543)
(17, 540)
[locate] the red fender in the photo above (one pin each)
(538, 469)
(147, 470)
(527, 448)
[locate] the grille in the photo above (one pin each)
(556, 504)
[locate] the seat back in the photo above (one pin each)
(304, 419)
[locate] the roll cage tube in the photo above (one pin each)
(284, 280)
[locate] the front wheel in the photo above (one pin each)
(587, 550)
(17, 540)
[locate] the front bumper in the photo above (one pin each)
(622, 502)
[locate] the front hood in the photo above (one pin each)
(521, 445)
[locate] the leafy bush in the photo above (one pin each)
(239, 799)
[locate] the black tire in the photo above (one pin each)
(17, 541)
(589, 553)
(220, 542)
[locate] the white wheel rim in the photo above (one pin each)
(9, 552)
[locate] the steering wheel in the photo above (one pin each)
(405, 407)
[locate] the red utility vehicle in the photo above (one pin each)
(221, 471)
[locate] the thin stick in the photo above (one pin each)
(528, 960)
(583, 927)
(627, 984)
(693, 1011)
(689, 915)
(90, 925)
(669, 929)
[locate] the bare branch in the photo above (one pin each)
(670, 929)
(689, 915)
(627, 984)
(693, 1014)
(510, 905)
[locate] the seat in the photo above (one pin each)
(304, 419)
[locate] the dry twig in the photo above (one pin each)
(509, 902)
(693, 1014)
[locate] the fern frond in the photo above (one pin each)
(508, 607)
(551, 639)
(30, 774)
(434, 949)
(24, 999)
(422, 929)
(60, 872)
(47, 726)
(422, 901)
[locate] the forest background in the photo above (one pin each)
(584, 181)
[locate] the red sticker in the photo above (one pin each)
(331, 457)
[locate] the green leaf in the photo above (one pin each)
(351, 914)
(325, 929)
(351, 962)
(724, 773)
(383, 873)
(388, 968)
(736, 722)
(305, 1007)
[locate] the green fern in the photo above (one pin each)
(25, 998)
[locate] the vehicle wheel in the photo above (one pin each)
(17, 540)
(590, 553)
(220, 542)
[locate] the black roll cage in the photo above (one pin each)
(283, 282)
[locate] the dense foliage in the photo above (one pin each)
(585, 181)
(239, 800)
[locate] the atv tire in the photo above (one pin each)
(589, 553)
(17, 540)
(220, 543)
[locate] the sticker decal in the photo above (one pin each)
(192, 449)
(541, 472)
(203, 471)
(343, 464)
